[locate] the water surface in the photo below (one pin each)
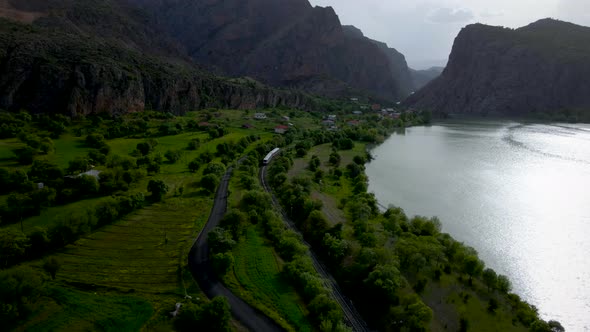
(517, 193)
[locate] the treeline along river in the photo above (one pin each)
(518, 193)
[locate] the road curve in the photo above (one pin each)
(351, 315)
(202, 270)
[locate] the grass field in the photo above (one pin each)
(256, 277)
(72, 310)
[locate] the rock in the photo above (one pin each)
(540, 68)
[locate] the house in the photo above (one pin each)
(247, 126)
(354, 122)
(376, 107)
(364, 107)
(281, 129)
(333, 128)
(357, 112)
(40, 185)
(389, 110)
(93, 172)
(354, 99)
(328, 122)
(286, 118)
(259, 116)
(331, 117)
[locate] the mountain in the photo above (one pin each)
(397, 62)
(285, 43)
(83, 56)
(542, 68)
(422, 77)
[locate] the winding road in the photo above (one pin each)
(352, 317)
(202, 270)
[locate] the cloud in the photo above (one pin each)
(449, 15)
(490, 14)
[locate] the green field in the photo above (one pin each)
(128, 275)
(257, 278)
(71, 310)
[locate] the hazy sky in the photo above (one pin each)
(424, 30)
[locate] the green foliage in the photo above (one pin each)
(158, 188)
(504, 284)
(210, 182)
(51, 266)
(222, 262)
(214, 168)
(220, 240)
(20, 289)
(173, 156)
(13, 245)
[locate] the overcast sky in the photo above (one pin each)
(424, 30)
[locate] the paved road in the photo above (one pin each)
(200, 266)
(353, 318)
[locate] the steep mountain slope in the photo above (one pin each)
(424, 76)
(280, 42)
(541, 68)
(397, 62)
(49, 70)
(283, 43)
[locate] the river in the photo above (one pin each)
(518, 193)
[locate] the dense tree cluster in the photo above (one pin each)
(392, 256)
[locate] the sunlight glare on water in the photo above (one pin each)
(517, 193)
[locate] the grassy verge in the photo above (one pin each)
(256, 277)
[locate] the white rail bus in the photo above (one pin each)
(269, 156)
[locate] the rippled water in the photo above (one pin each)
(518, 193)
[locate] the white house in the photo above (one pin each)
(357, 112)
(260, 116)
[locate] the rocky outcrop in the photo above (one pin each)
(540, 68)
(67, 73)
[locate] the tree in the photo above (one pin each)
(472, 266)
(323, 308)
(25, 155)
(173, 156)
(220, 240)
(215, 316)
(13, 245)
(359, 160)
(18, 205)
(209, 182)
(504, 284)
(95, 141)
(51, 266)
(490, 278)
(335, 159)
(236, 221)
(222, 262)
(214, 168)
(158, 188)
(194, 166)
(384, 281)
(194, 144)
(42, 171)
(78, 165)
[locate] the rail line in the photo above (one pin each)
(351, 315)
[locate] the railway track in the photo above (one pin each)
(351, 315)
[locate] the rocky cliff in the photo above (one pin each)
(96, 55)
(53, 71)
(285, 43)
(542, 68)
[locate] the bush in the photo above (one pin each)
(173, 156)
